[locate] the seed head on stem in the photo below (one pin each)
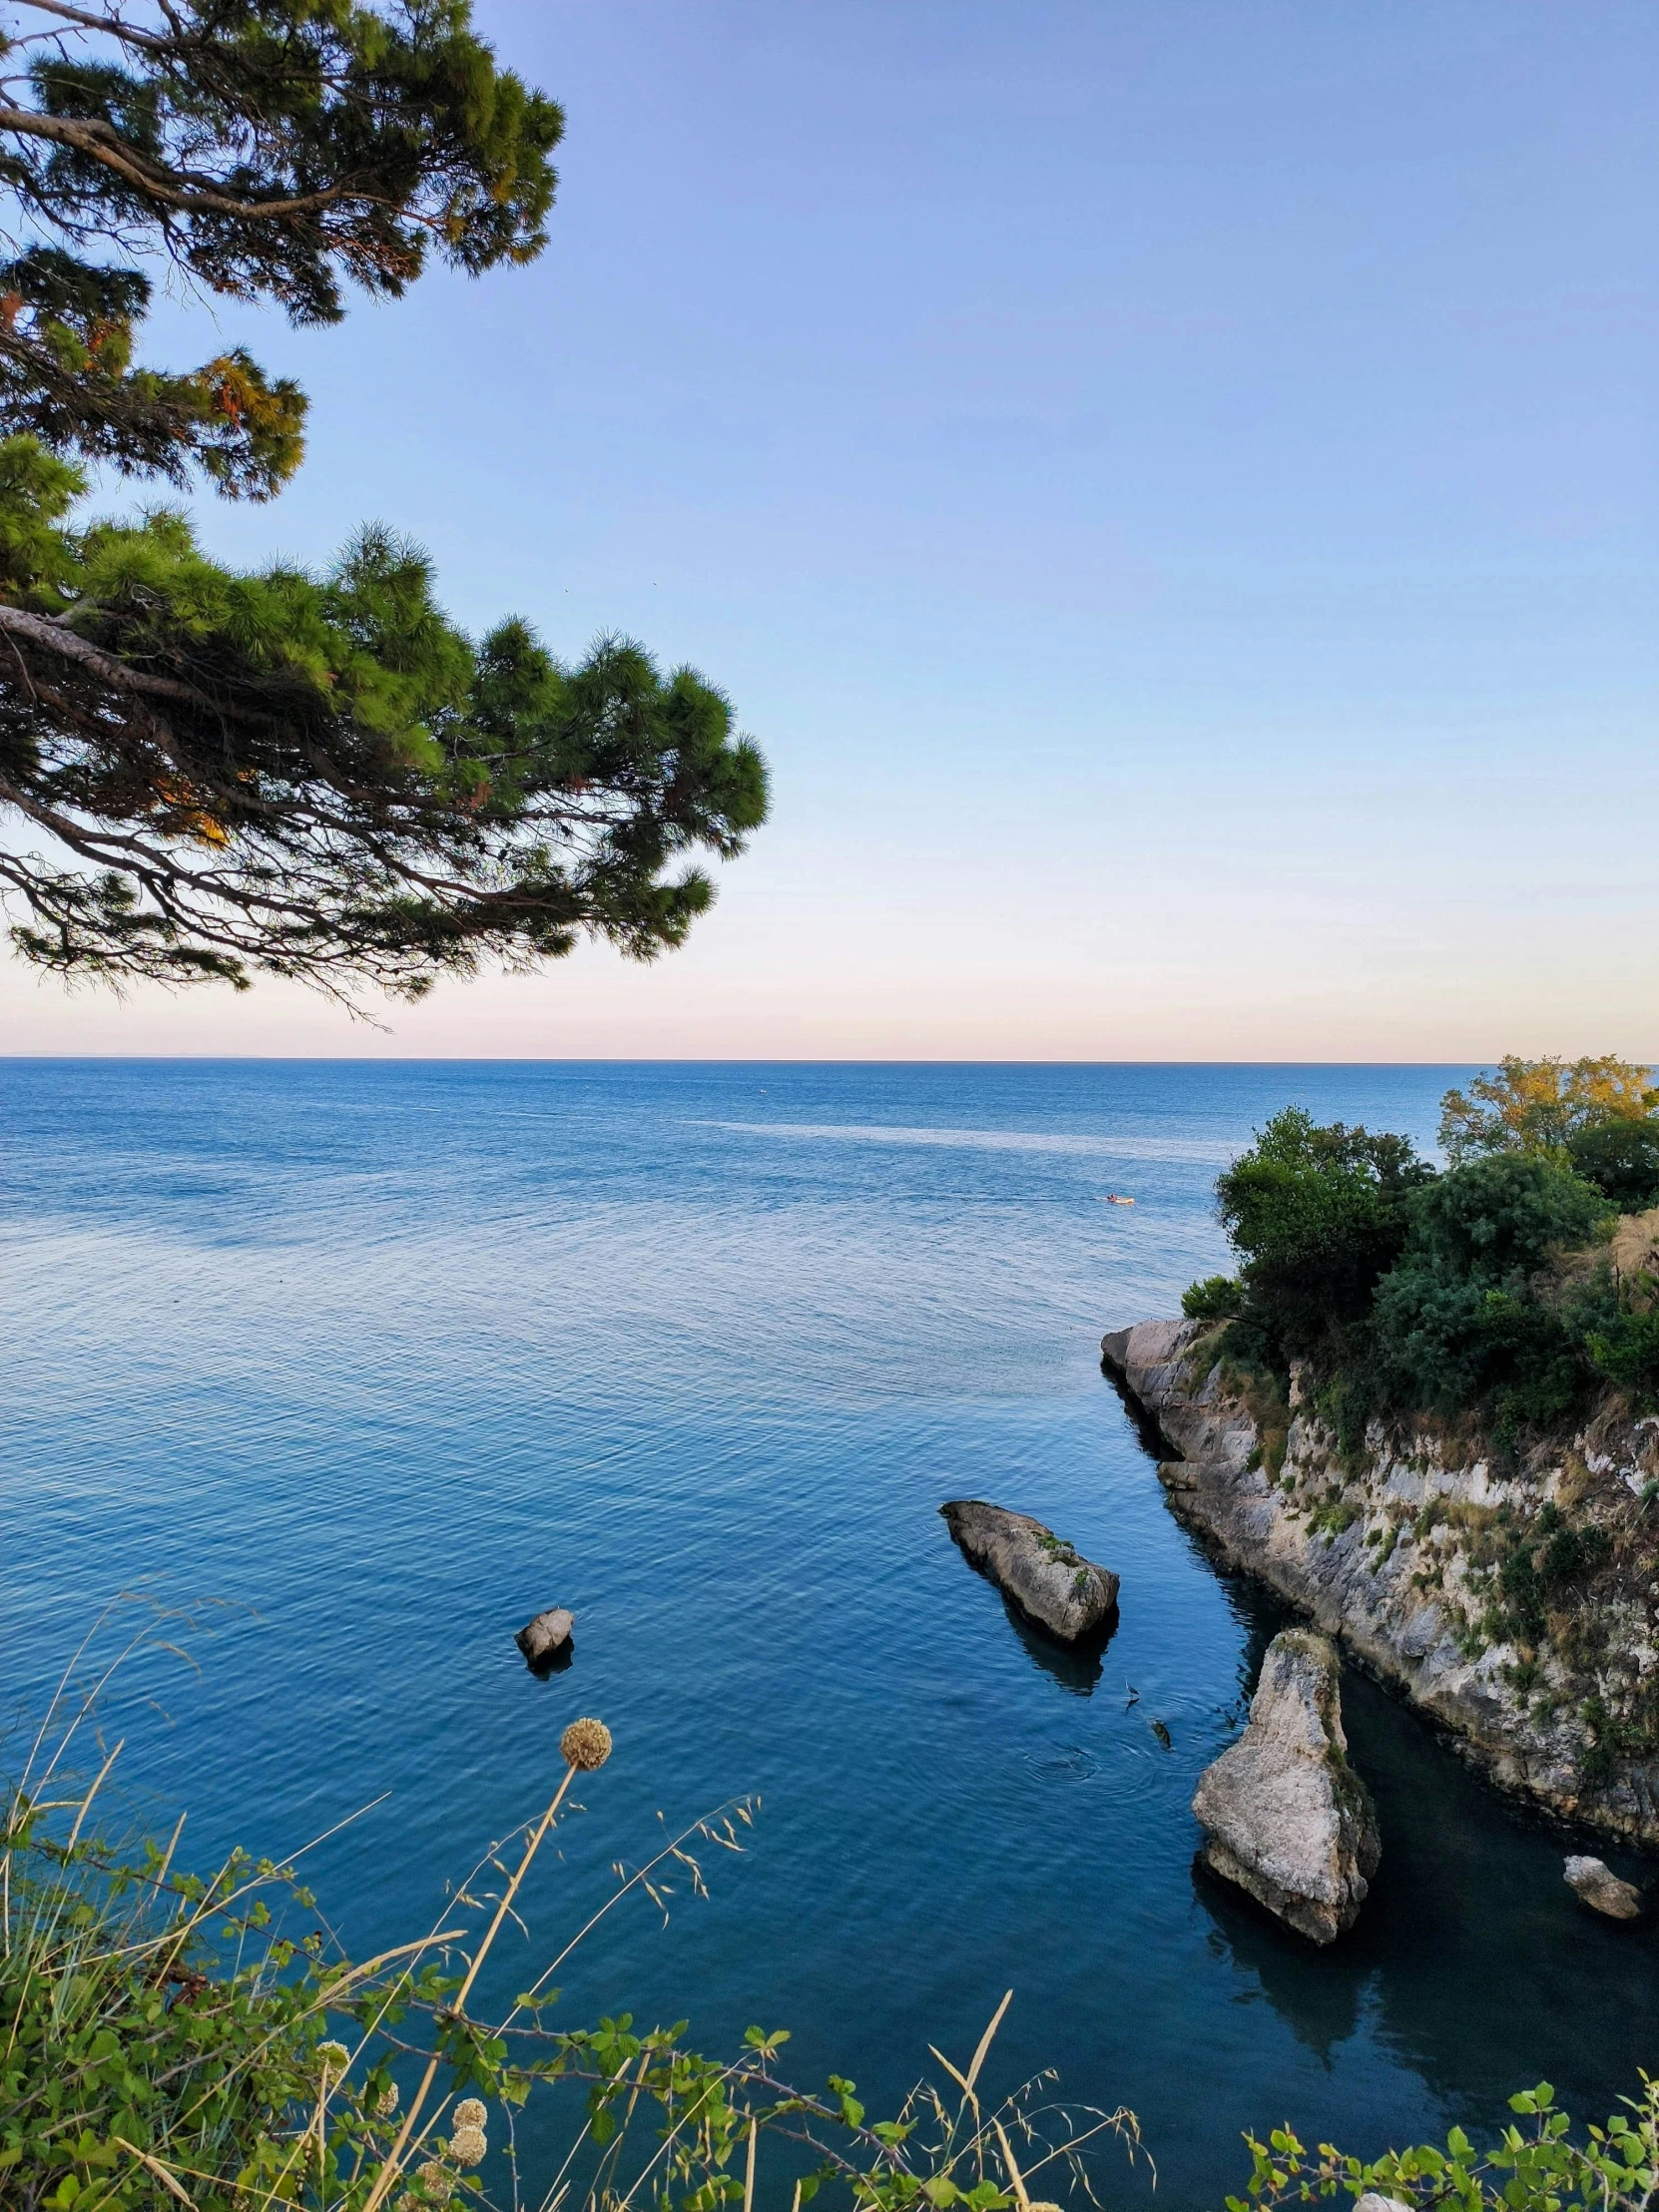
(584, 1745)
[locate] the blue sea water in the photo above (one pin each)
(382, 1358)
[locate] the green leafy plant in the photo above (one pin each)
(1543, 1108)
(1535, 2166)
(1316, 1215)
(1626, 1348)
(1621, 1158)
(1216, 1298)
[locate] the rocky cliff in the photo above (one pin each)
(1514, 1604)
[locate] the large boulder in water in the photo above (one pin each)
(547, 1638)
(1068, 1595)
(1286, 1817)
(1600, 1887)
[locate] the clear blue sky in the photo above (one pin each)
(1171, 487)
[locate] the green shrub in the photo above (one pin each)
(1502, 1217)
(1216, 1298)
(1463, 1321)
(1535, 2167)
(1547, 1559)
(1621, 1158)
(1626, 1350)
(1316, 1215)
(1544, 1106)
(1460, 1294)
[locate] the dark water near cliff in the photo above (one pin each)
(386, 1356)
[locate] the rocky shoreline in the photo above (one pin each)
(1399, 1557)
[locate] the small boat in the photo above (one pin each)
(1114, 1199)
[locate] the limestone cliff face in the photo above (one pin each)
(1407, 1557)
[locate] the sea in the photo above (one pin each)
(321, 1378)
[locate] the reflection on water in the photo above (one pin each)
(1076, 1667)
(1320, 2007)
(389, 1356)
(1472, 1958)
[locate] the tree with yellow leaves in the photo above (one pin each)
(1541, 1106)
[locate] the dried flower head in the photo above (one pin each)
(585, 1744)
(386, 2104)
(335, 2057)
(470, 2112)
(467, 2146)
(436, 2181)
(409, 2202)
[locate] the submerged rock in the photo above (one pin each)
(544, 1638)
(1045, 1577)
(1286, 1817)
(1601, 1890)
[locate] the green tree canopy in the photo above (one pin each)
(318, 776)
(1621, 1158)
(1461, 1316)
(1316, 1215)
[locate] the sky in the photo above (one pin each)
(1171, 489)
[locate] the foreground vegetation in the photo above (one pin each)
(167, 2039)
(167, 2043)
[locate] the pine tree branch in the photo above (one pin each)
(49, 631)
(170, 187)
(109, 26)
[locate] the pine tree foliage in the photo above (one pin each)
(319, 777)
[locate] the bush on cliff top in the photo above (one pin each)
(1317, 1216)
(1474, 1291)
(1544, 1107)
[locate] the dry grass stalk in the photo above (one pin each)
(586, 1745)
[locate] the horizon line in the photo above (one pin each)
(499, 1059)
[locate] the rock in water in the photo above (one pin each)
(542, 1638)
(1287, 1819)
(1601, 1888)
(1065, 1594)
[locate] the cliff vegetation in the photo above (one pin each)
(1464, 1362)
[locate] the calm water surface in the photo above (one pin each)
(387, 1357)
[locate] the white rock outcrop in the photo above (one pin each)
(1600, 1887)
(1066, 1594)
(1286, 1817)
